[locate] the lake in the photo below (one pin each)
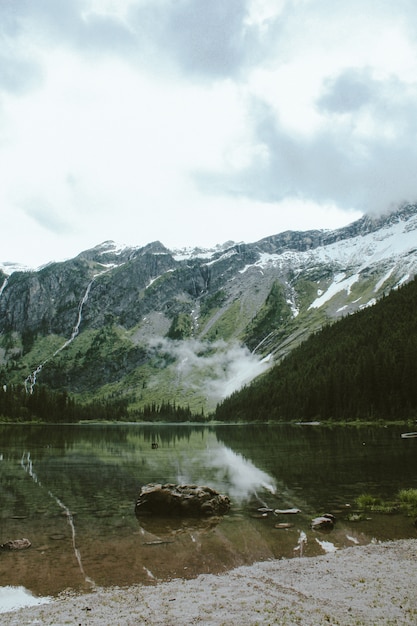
(71, 491)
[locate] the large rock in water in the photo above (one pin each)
(181, 500)
(16, 544)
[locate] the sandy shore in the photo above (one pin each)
(371, 585)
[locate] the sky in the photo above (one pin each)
(196, 122)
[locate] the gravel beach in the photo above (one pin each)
(369, 585)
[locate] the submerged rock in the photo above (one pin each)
(16, 544)
(325, 522)
(181, 500)
(284, 525)
(170, 526)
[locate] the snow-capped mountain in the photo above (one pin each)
(387, 253)
(193, 325)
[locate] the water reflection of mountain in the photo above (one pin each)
(108, 463)
(65, 435)
(316, 458)
(95, 472)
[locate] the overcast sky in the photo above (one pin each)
(199, 121)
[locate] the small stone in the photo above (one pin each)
(284, 525)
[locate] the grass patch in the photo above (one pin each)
(226, 325)
(406, 502)
(368, 502)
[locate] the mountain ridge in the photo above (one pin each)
(152, 324)
(300, 240)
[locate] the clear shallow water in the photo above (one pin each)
(71, 490)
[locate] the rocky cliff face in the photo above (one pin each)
(154, 324)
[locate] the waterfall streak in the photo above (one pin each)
(80, 317)
(3, 287)
(262, 341)
(27, 465)
(30, 381)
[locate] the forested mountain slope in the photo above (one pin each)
(361, 367)
(150, 326)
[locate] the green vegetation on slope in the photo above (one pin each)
(181, 327)
(273, 315)
(362, 367)
(225, 325)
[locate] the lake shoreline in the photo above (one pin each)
(213, 423)
(373, 584)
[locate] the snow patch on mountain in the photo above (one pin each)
(340, 283)
(223, 257)
(383, 280)
(152, 280)
(188, 253)
(392, 249)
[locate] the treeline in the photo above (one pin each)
(361, 367)
(166, 412)
(46, 405)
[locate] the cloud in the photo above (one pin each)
(361, 156)
(247, 116)
(205, 38)
(19, 74)
(46, 216)
(220, 372)
(72, 23)
(202, 38)
(328, 123)
(351, 90)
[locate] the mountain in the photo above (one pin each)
(361, 367)
(149, 324)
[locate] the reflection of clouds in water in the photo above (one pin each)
(242, 476)
(327, 546)
(208, 462)
(13, 598)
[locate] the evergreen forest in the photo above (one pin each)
(46, 405)
(362, 367)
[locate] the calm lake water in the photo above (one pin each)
(71, 490)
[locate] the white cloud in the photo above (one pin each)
(195, 122)
(223, 371)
